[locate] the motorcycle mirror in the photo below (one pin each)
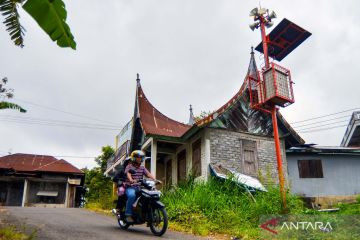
(132, 171)
(147, 158)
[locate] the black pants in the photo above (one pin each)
(121, 202)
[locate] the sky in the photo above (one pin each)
(186, 52)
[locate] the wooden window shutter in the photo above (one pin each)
(168, 178)
(196, 158)
(310, 169)
(181, 161)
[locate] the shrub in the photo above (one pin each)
(223, 207)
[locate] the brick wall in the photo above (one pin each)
(226, 149)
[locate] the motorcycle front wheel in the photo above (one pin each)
(158, 221)
(123, 224)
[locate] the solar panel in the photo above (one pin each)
(283, 39)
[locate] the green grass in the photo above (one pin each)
(222, 207)
(11, 233)
(350, 209)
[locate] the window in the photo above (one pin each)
(310, 169)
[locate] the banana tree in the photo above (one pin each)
(49, 14)
(9, 105)
(7, 93)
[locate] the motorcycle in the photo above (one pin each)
(146, 209)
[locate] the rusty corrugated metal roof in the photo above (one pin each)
(59, 166)
(154, 122)
(36, 163)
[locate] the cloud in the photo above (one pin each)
(187, 52)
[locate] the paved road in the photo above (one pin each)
(76, 224)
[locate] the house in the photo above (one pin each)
(352, 134)
(234, 136)
(38, 180)
(327, 175)
(324, 175)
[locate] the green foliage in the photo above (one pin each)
(51, 16)
(202, 115)
(99, 187)
(8, 105)
(11, 233)
(8, 93)
(8, 9)
(353, 208)
(101, 160)
(222, 207)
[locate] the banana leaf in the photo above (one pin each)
(51, 17)
(8, 105)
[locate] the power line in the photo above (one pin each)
(301, 129)
(72, 156)
(66, 112)
(328, 120)
(57, 156)
(309, 119)
(58, 125)
(44, 120)
(322, 129)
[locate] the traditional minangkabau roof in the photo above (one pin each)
(20, 162)
(237, 114)
(153, 122)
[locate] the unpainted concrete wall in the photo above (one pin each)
(225, 149)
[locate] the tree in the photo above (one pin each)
(101, 160)
(99, 186)
(7, 93)
(49, 14)
(202, 115)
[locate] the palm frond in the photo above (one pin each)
(8, 105)
(8, 8)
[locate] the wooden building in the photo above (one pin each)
(38, 180)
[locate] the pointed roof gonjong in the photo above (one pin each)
(153, 122)
(237, 115)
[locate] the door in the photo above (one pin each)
(249, 162)
(249, 157)
(168, 172)
(196, 158)
(181, 157)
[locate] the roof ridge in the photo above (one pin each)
(36, 169)
(146, 99)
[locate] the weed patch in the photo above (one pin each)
(223, 207)
(12, 233)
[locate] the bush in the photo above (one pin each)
(223, 207)
(12, 233)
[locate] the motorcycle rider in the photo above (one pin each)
(135, 173)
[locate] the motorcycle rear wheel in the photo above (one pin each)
(158, 221)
